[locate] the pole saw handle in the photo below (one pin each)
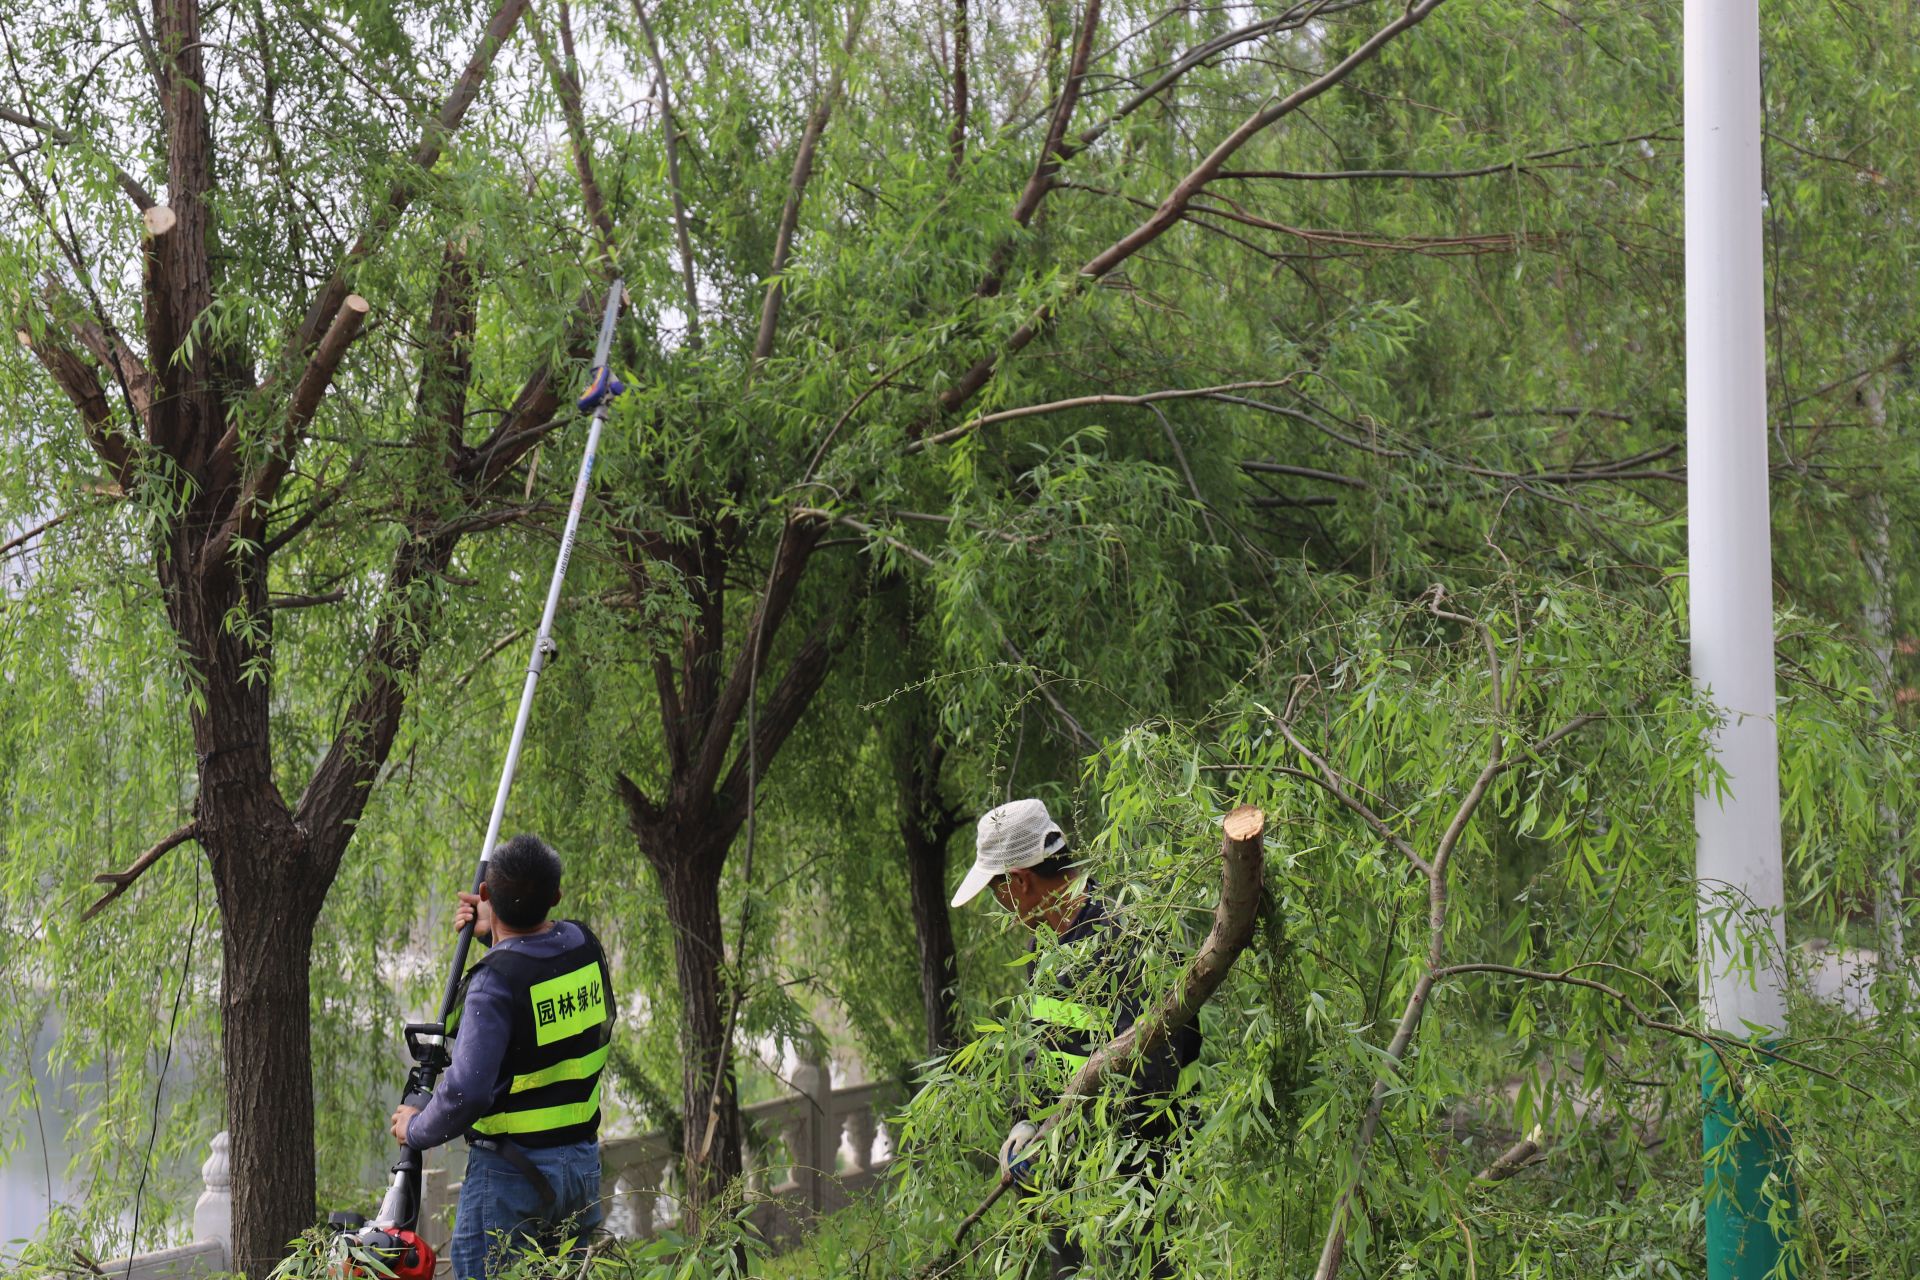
(603, 388)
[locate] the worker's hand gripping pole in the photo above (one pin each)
(601, 390)
(427, 1042)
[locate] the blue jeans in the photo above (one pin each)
(500, 1209)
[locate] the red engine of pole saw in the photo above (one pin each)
(401, 1254)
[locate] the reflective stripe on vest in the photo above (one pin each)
(1067, 1013)
(572, 1069)
(540, 1118)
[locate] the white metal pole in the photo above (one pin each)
(1740, 890)
(1730, 564)
(543, 641)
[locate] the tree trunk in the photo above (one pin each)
(926, 848)
(267, 946)
(691, 883)
(264, 878)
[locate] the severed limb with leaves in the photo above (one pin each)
(1434, 869)
(1241, 868)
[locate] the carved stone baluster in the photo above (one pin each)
(794, 1136)
(213, 1212)
(860, 1131)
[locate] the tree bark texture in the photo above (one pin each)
(927, 825)
(692, 889)
(271, 862)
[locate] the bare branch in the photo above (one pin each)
(22, 539)
(670, 136)
(141, 197)
(1087, 402)
(1521, 164)
(123, 880)
(306, 602)
(1305, 473)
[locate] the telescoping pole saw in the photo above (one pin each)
(392, 1237)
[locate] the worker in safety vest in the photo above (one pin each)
(1021, 855)
(530, 1032)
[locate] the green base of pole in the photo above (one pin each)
(1741, 1153)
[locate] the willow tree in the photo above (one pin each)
(278, 370)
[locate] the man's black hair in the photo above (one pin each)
(1055, 865)
(523, 878)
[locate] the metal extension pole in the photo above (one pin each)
(1738, 874)
(542, 643)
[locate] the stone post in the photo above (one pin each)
(814, 1153)
(213, 1211)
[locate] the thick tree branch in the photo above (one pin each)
(797, 187)
(326, 304)
(249, 515)
(566, 86)
(643, 814)
(77, 381)
(108, 348)
(962, 52)
(774, 722)
(796, 547)
(1053, 153)
(123, 880)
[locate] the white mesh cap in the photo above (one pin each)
(1014, 835)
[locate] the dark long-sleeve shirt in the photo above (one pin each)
(478, 1080)
(1109, 976)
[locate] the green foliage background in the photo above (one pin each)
(1474, 379)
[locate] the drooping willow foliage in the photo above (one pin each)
(1027, 530)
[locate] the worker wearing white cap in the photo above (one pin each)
(1021, 854)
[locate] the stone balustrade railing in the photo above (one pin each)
(807, 1153)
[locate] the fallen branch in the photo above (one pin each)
(1233, 921)
(122, 880)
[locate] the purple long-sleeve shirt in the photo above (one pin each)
(478, 1080)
